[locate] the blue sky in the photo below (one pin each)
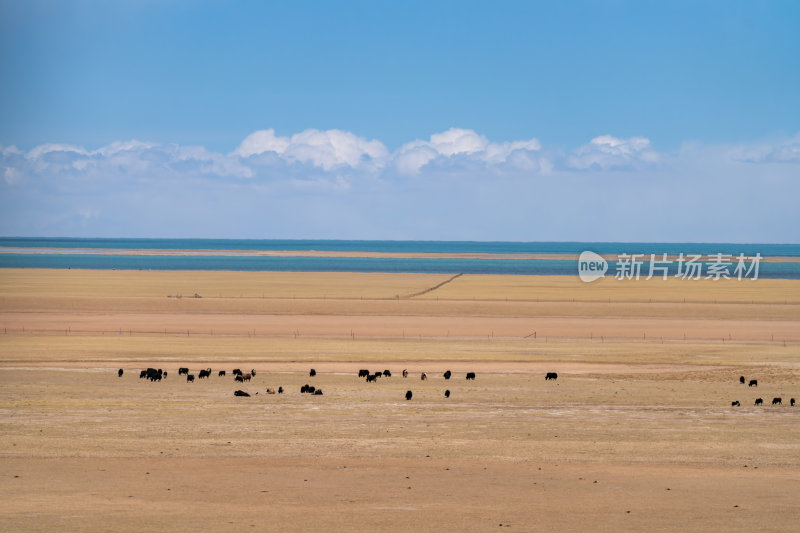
(495, 120)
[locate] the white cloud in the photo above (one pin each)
(11, 175)
(10, 150)
(123, 146)
(787, 151)
(456, 142)
(608, 152)
(44, 149)
(262, 141)
(335, 184)
(321, 158)
(325, 149)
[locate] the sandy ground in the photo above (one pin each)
(637, 433)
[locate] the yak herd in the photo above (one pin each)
(372, 377)
(154, 374)
(759, 401)
(157, 374)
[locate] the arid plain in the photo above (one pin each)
(637, 432)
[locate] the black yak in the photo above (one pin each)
(735, 404)
(447, 393)
(753, 383)
(470, 375)
(551, 375)
(408, 395)
(758, 401)
(119, 373)
(777, 401)
(241, 393)
(447, 375)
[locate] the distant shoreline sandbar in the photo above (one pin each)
(334, 253)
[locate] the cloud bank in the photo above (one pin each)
(457, 184)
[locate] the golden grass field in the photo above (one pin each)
(637, 433)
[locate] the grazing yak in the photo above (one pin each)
(423, 376)
(447, 393)
(470, 375)
(447, 375)
(246, 377)
(280, 390)
(189, 377)
(152, 374)
(735, 404)
(238, 378)
(312, 372)
(551, 375)
(119, 373)
(405, 373)
(241, 393)
(378, 374)
(221, 373)
(777, 401)
(791, 402)
(204, 373)
(408, 395)
(387, 374)
(183, 370)
(753, 383)
(363, 373)
(372, 378)
(317, 392)
(237, 372)
(741, 380)
(758, 401)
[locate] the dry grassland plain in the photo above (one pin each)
(637, 433)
